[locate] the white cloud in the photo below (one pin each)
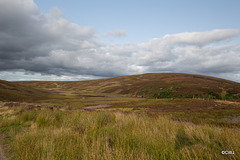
(30, 76)
(202, 38)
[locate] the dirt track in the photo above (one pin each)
(96, 107)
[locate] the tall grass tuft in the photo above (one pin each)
(72, 135)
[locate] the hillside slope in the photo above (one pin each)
(10, 91)
(151, 85)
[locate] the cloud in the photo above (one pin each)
(116, 33)
(29, 76)
(202, 38)
(51, 45)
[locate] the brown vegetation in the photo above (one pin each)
(154, 85)
(149, 116)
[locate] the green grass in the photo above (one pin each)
(47, 134)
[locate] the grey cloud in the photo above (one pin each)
(208, 60)
(27, 35)
(49, 44)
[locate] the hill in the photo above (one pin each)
(10, 91)
(151, 85)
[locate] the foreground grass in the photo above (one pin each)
(47, 134)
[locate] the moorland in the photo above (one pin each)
(148, 116)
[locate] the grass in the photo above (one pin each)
(57, 134)
(197, 111)
(182, 124)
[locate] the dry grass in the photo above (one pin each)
(47, 134)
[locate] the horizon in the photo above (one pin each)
(115, 77)
(75, 41)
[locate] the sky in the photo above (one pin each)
(81, 40)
